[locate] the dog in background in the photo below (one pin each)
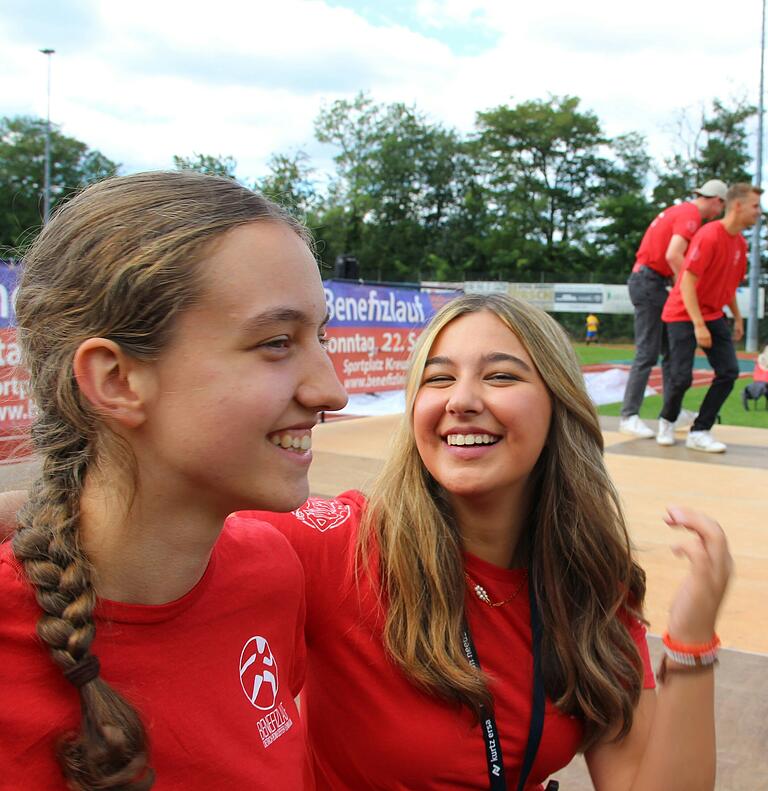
(754, 392)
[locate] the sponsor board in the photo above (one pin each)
(16, 408)
(587, 297)
(372, 330)
(742, 299)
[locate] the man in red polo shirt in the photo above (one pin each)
(659, 260)
(714, 266)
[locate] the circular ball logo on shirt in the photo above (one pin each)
(258, 673)
(323, 514)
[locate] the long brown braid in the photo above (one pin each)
(119, 261)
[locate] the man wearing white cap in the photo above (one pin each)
(715, 265)
(659, 260)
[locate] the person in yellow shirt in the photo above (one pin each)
(592, 323)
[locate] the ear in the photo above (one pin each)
(116, 384)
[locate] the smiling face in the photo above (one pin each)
(239, 386)
(482, 413)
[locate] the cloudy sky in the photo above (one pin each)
(146, 79)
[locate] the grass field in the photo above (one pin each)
(732, 413)
(604, 353)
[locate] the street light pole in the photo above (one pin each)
(47, 167)
(754, 264)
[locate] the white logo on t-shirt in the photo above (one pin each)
(258, 673)
(323, 514)
(259, 680)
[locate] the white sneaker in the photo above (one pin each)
(685, 419)
(666, 435)
(635, 427)
(703, 440)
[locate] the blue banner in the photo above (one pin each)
(9, 276)
(372, 330)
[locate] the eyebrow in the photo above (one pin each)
(280, 314)
(493, 357)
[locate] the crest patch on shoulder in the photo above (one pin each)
(323, 514)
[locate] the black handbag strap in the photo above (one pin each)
(494, 757)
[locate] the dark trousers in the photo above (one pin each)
(722, 358)
(648, 292)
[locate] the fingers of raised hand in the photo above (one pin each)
(694, 550)
(706, 548)
(707, 529)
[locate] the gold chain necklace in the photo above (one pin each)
(482, 593)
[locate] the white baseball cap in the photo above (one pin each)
(714, 188)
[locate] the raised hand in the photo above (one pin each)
(694, 608)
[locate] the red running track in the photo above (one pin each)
(701, 377)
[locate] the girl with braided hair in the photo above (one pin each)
(173, 327)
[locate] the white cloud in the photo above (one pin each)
(144, 80)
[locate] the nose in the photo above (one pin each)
(464, 398)
(321, 390)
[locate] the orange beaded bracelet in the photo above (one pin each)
(694, 649)
(688, 657)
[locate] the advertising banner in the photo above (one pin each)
(586, 297)
(15, 405)
(742, 299)
(616, 300)
(577, 297)
(372, 330)
(540, 294)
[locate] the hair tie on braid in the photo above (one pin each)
(83, 671)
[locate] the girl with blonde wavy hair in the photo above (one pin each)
(173, 327)
(477, 620)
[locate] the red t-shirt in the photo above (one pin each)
(684, 220)
(191, 667)
(719, 261)
(369, 726)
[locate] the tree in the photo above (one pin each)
(290, 184)
(624, 211)
(22, 156)
(543, 162)
(210, 165)
(725, 150)
(418, 175)
(714, 145)
(351, 127)
(398, 189)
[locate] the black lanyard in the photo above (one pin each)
(488, 722)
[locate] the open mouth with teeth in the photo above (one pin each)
(300, 443)
(471, 439)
